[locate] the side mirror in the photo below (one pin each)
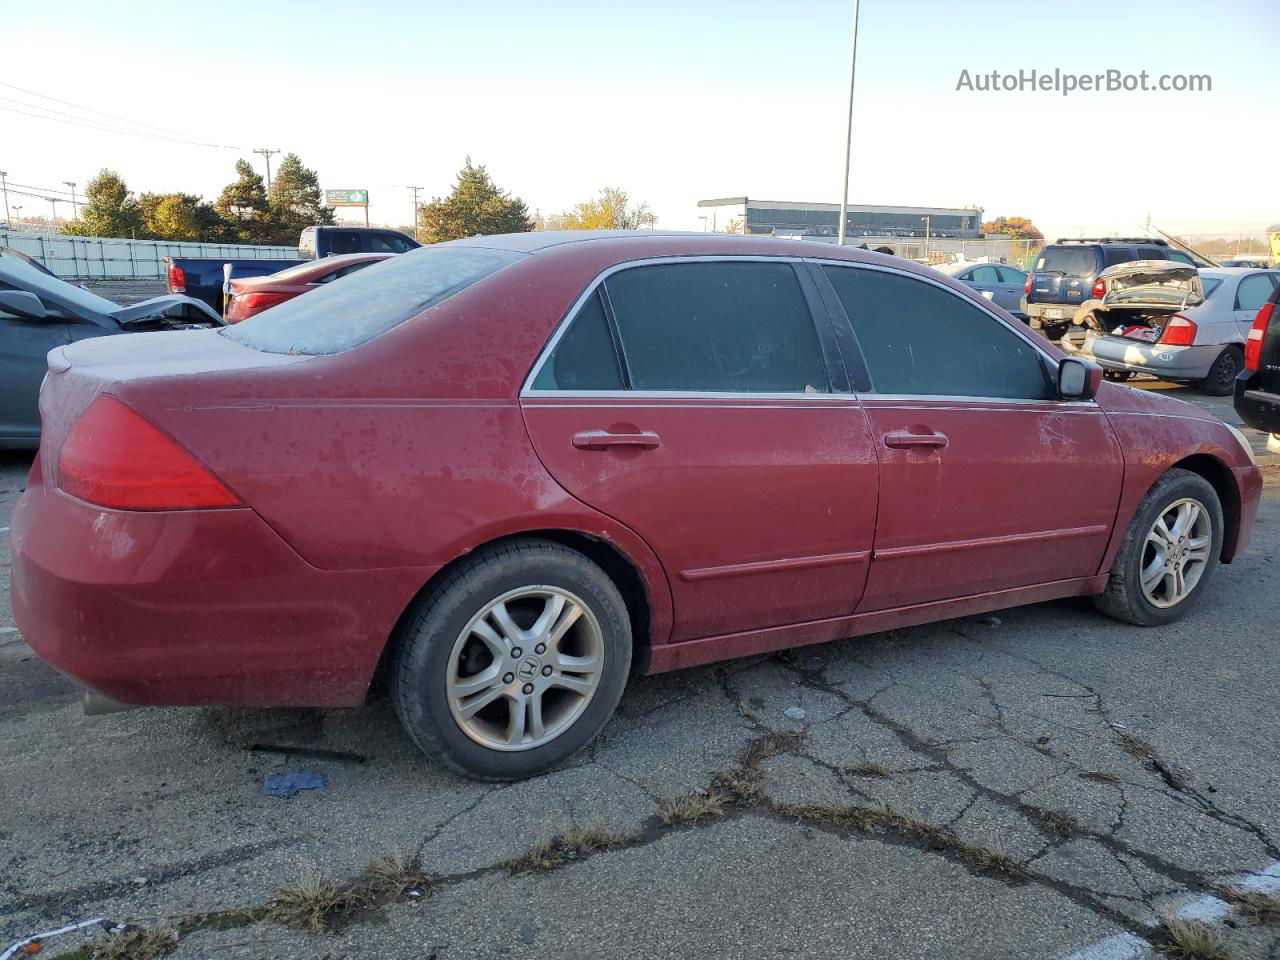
(1078, 379)
(24, 304)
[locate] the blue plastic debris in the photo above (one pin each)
(288, 784)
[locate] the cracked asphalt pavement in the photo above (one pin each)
(1045, 783)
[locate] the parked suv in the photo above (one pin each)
(1258, 386)
(1064, 274)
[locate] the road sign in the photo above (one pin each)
(346, 198)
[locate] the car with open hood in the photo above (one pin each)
(1171, 321)
(40, 312)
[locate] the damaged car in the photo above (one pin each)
(1171, 321)
(40, 312)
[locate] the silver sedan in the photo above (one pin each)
(998, 282)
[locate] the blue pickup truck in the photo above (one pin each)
(203, 277)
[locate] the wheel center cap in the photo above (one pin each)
(528, 668)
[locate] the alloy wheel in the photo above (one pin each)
(1176, 552)
(524, 668)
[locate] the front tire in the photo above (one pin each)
(1221, 379)
(1169, 552)
(514, 662)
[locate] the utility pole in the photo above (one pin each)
(415, 211)
(75, 211)
(4, 186)
(848, 130)
(267, 154)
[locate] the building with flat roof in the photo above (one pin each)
(820, 221)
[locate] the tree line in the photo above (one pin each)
(247, 212)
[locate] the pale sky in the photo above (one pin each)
(672, 101)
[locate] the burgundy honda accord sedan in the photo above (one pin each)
(505, 472)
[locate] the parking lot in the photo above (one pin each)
(1043, 783)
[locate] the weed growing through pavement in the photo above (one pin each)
(691, 808)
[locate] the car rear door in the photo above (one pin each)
(988, 483)
(1009, 293)
(702, 403)
(1251, 293)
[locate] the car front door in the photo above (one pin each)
(988, 482)
(702, 403)
(23, 346)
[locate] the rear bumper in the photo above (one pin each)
(1260, 409)
(1136, 356)
(194, 607)
(1039, 314)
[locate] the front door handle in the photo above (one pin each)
(599, 439)
(903, 440)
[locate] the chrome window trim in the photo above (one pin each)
(527, 388)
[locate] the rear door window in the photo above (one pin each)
(1153, 253)
(717, 327)
(1068, 261)
(585, 357)
(389, 243)
(921, 339)
(1253, 291)
(1010, 275)
(338, 316)
(984, 275)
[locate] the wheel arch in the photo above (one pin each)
(1220, 477)
(643, 608)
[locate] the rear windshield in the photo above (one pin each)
(1069, 261)
(343, 315)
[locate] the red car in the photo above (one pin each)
(504, 472)
(252, 295)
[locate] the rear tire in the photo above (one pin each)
(1119, 376)
(513, 662)
(1221, 379)
(1157, 578)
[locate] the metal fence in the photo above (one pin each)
(108, 258)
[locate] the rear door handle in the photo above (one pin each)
(901, 439)
(599, 439)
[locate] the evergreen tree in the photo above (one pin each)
(296, 200)
(476, 206)
(180, 216)
(110, 210)
(243, 204)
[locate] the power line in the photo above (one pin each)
(92, 125)
(84, 109)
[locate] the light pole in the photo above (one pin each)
(926, 236)
(75, 211)
(17, 213)
(848, 130)
(703, 218)
(53, 202)
(4, 187)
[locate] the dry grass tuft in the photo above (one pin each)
(313, 902)
(745, 782)
(1193, 940)
(392, 876)
(574, 843)
(134, 945)
(691, 808)
(1254, 905)
(990, 860)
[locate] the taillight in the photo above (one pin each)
(115, 457)
(1099, 290)
(250, 303)
(1026, 287)
(1253, 344)
(1179, 332)
(177, 279)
